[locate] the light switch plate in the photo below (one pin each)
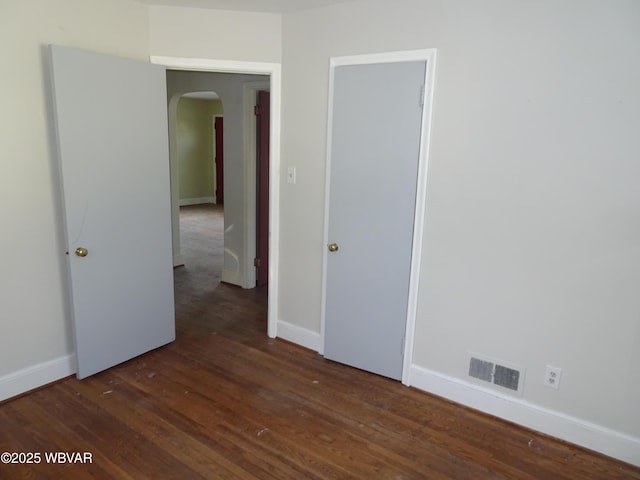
(291, 174)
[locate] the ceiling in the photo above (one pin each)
(271, 6)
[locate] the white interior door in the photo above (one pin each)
(375, 148)
(111, 116)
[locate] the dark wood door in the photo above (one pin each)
(262, 187)
(219, 126)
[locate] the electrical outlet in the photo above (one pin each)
(552, 377)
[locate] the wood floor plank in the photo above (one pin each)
(44, 432)
(298, 389)
(166, 431)
(217, 414)
(285, 397)
(225, 401)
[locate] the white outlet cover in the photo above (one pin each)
(552, 377)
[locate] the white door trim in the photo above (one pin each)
(274, 72)
(429, 56)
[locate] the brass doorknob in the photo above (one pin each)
(333, 247)
(82, 252)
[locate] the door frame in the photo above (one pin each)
(260, 241)
(215, 154)
(250, 90)
(273, 70)
(428, 56)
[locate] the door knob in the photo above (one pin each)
(333, 247)
(82, 252)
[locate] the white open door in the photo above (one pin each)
(111, 117)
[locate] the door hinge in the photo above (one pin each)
(256, 262)
(256, 110)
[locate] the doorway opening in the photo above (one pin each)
(199, 149)
(239, 200)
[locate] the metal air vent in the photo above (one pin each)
(496, 372)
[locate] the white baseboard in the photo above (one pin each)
(36, 376)
(298, 335)
(514, 409)
(234, 278)
(178, 260)
(196, 201)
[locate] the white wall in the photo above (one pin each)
(532, 249)
(215, 34)
(36, 341)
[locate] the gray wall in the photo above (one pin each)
(532, 248)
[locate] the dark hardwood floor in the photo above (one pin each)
(225, 401)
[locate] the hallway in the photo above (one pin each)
(201, 299)
(202, 243)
